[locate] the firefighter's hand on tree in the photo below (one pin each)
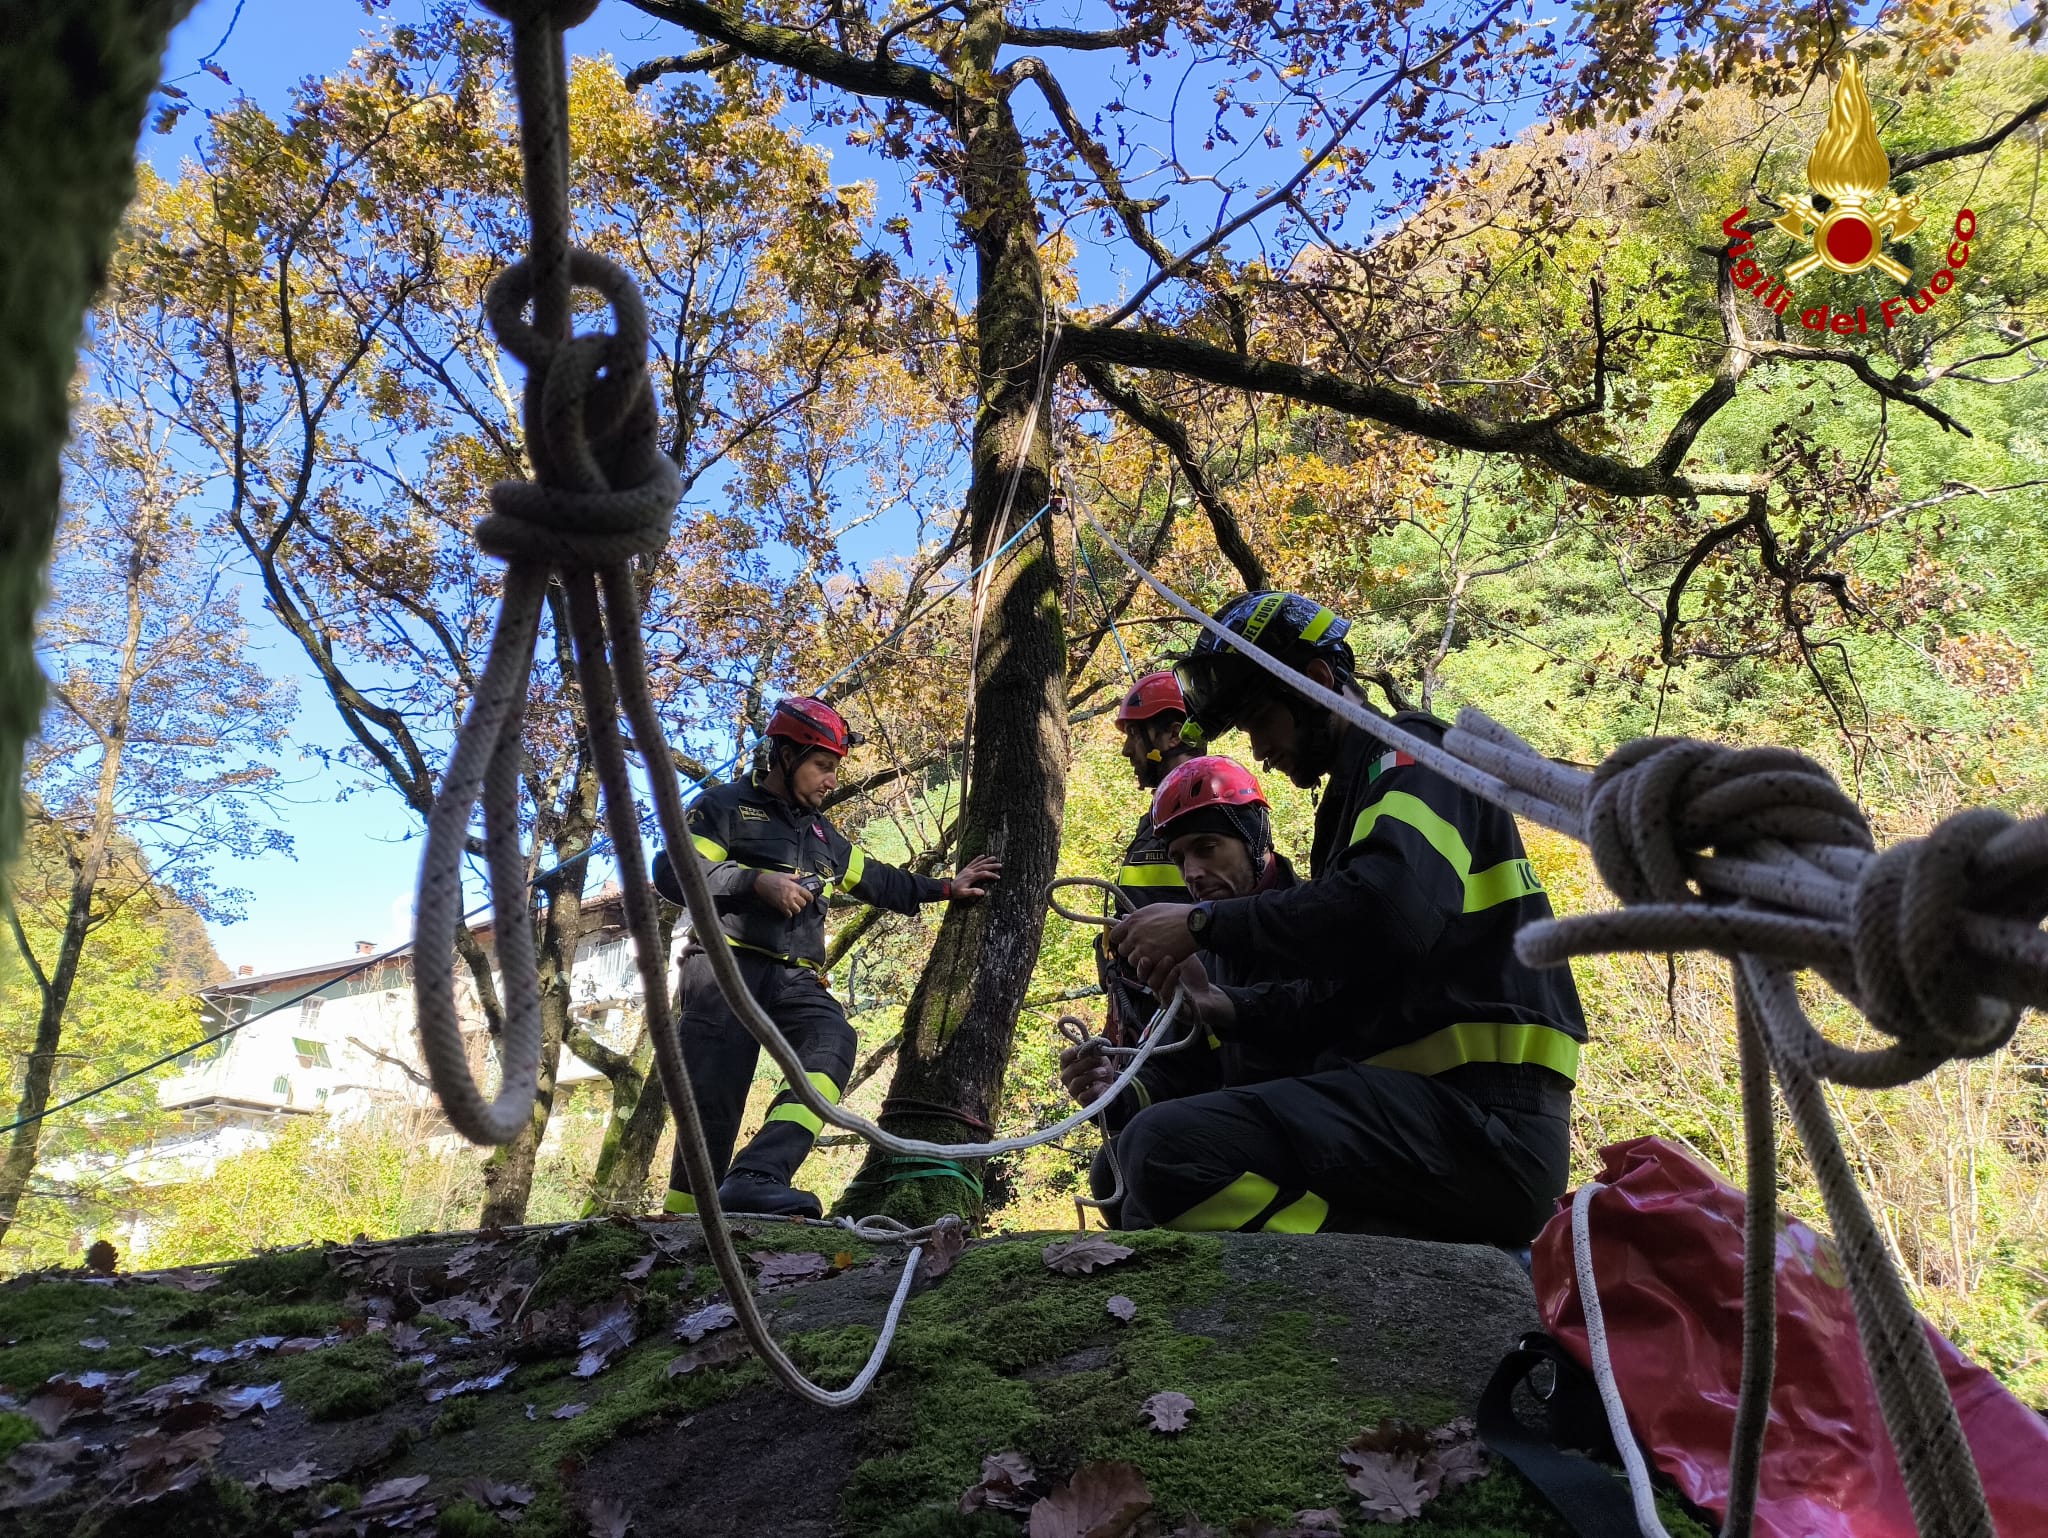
(784, 894)
(1085, 1073)
(974, 879)
(1153, 941)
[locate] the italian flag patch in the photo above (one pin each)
(1381, 765)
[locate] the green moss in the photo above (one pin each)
(461, 1415)
(347, 1497)
(16, 1429)
(289, 1320)
(588, 1269)
(638, 1391)
(339, 1382)
(46, 1320)
(466, 1519)
(284, 1274)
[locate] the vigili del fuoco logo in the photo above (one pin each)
(1850, 173)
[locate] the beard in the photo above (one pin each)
(1317, 736)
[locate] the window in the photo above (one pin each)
(312, 1054)
(309, 1011)
(281, 1086)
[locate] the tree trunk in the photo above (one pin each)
(633, 1129)
(78, 74)
(958, 1027)
(508, 1172)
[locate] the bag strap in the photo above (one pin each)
(1591, 1499)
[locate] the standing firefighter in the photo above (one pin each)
(772, 859)
(1150, 717)
(1443, 1096)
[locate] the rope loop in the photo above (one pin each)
(1914, 978)
(1657, 800)
(604, 489)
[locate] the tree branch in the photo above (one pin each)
(399, 1063)
(1085, 42)
(1989, 141)
(803, 53)
(613, 1065)
(1156, 421)
(716, 57)
(1130, 210)
(1703, 547)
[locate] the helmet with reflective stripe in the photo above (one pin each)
(812, 724)
(1212, 795)
(1217, 681)
(1156, 694)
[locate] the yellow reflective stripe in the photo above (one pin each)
(762, 950)
(1144, 1094)
(803, 1115)
(856, 862)
(789, 1110)
(1303, 1217)
(1496, 884)
(1230, 1208)
(679, 1201)
(1313, 631)
(1150, 875)
(1485, 1041)
(710, 848)
(1215, 1042)
(1500, 883)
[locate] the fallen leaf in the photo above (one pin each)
(39, 1491)
(1123, 1308)
(713, 1352)
(608, 1519)
(116, 1313)
(172, 1391)
(1393, 1436)
(392, 1491)
(1458, 1457)
(638, 1271)
(164, 1351)
(299, 1345)
(494, 1495)
(1324, 1519)
(567, 1412)
(94, 1343)
(237, 1402)
(713, 1316)
(607, 1330)
(782, 1269)
(191, 1281)
(464, 1260)
(300, 1476)
(152, 1451)
(1077, 1257)
(403, 1338)
(1103, 1500)
(1006, 1481)
(190, 1415)
(58, 1401)
(478, 1385)
(943, 1248)
(1391, 1487)
(1169, 1410)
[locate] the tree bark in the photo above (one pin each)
(633, 1129)
(958, 1026)
(78, 74)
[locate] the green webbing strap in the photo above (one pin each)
(928, 1167)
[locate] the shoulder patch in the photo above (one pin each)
(1385, 762)
(752, 812)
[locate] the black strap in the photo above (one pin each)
(1592, 1499)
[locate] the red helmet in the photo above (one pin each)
(1201, 784)
(1153, 695)
(812, 724)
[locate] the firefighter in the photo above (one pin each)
(1215, 823)
(772, 860)
(1151, 717)
(1442, 1106)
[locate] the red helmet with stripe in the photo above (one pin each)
(812, 724)
(1156, 694)
(1203, 784)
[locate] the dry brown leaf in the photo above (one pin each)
(236, 1402)
(943, 1248)
(608, 1519)
(189, 1416)
(94, 1343)
(1323, 1519)
(302, 1475)
(1169, 1410)
(779, 1269)
(1006, 1484)
(59, 1400)
(638, 1271)
(393, 1491)
(566, 1412)
(190, 1281)
(1393, 1436)
(1123, 1308)
(1391, 1487)
(714, 1351)
(172, 1391)
(1077, 1257)
(478, 1385)
(153, 1450)
(1103, 1500)
(713, 1316)
(494, 1496)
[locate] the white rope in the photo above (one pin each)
(1640, 1490)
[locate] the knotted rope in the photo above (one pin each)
(1759, 856)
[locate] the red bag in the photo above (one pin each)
(1667, 1258)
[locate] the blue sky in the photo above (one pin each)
(356, 849)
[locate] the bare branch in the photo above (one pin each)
(803, 53)
(1086, 42)
(399, 1063)
(716, 57)
(1989, 141)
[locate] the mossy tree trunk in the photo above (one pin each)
(959, 1024)
(77, 75)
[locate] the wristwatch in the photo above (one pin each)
(1198, 919)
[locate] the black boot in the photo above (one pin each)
(745, 1191)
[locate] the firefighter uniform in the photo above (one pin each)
(1439, 1067)
(740, 830)
(1147, 875)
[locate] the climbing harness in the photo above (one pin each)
(1936, 940)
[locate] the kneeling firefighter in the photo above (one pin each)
(1442, 1107)
(772, 859)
